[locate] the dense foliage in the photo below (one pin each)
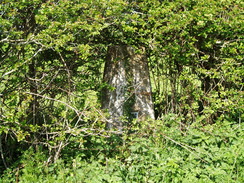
(155, 153)
(52, 55)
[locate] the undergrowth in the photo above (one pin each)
(153, 151)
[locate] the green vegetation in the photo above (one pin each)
(154, 153)
(52, 54)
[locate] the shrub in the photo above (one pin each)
(158, 152)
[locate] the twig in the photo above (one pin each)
(53, 99)
(2, 155)
(15, 69)
(184, 146)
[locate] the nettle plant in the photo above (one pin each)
(157, 152)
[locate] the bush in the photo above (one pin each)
(158, 152)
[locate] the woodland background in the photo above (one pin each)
(52, 55)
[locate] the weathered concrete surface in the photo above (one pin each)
(129, 91)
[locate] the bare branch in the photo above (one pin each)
(53, 99)
(15, 69)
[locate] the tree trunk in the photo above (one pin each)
(128, 93)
